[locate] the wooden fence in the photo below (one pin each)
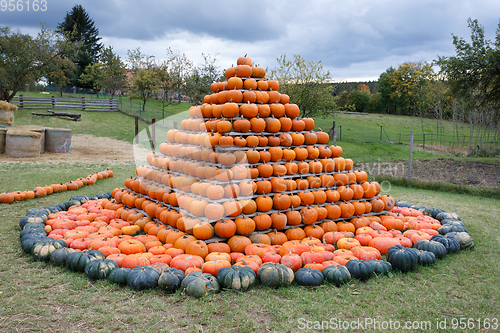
(82, 104)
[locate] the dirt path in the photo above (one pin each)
(88, 148)
(474, 174)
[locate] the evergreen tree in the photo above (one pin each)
(81, 29)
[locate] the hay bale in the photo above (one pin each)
(21, 142)
(3, 133)
(7, 113)
(38, 129)
(58, 140)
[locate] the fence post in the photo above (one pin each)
(110, 104)
(463, 141)
(423, 144)
(410, 156)
(83, 103)
(340, 133)
(153, 132)
(53, 102)
(21, 105)
(136, 129)
(335, 136)
(380, 132)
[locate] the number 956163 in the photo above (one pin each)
(23, 5)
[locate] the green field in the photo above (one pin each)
(42, 297)
(133, 107)
(360, 133)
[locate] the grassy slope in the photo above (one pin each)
(361, 143)
(361, 136)
(153, 109)
(461, 285)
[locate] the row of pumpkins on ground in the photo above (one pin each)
(42, 191)
(150, 263)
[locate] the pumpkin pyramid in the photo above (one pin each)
(244, 167)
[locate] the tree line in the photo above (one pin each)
(465, 88)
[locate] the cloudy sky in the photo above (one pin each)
(354, 39)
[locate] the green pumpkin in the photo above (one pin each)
(433, 212)
(452, 227)
(450, 243)
(308, 277)
(32, 211)
(426, 258)
(199, 284)
(76, 261)
(59, 256)
(275, 275)
(143, 277)
(444, 215)
(119, 275)
(28, 240)
(99, 268)
(437, 248)
(80, 198)
(463, 238)
(30, 219)
(420, 208)
(28, 231)
(402, 259)
(32, 225)
(43, 214)
(380, 267)
(170, 280)
(239, 278)
(452, 221)
(360, 269)
(403, 204)
(70, 203)
(51, 209)
(338, 275)
(42, 250)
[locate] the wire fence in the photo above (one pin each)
(476, 142)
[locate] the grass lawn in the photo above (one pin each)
(153, 108)
(43, 297)
(361, 136)
(361, 144)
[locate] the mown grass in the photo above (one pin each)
(101, 124)
(361, 145)
(131, 106)
(42, 297)
(360, 136)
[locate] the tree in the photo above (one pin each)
(81, 29)
(109, 74)
(145, 79)
(26, 59)
(399, 87)
(360, 98)
(475, 69)
(307, 84)
(61, 73)
(198, 82)
(144, 84)
(473, 76)
(178, 67)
